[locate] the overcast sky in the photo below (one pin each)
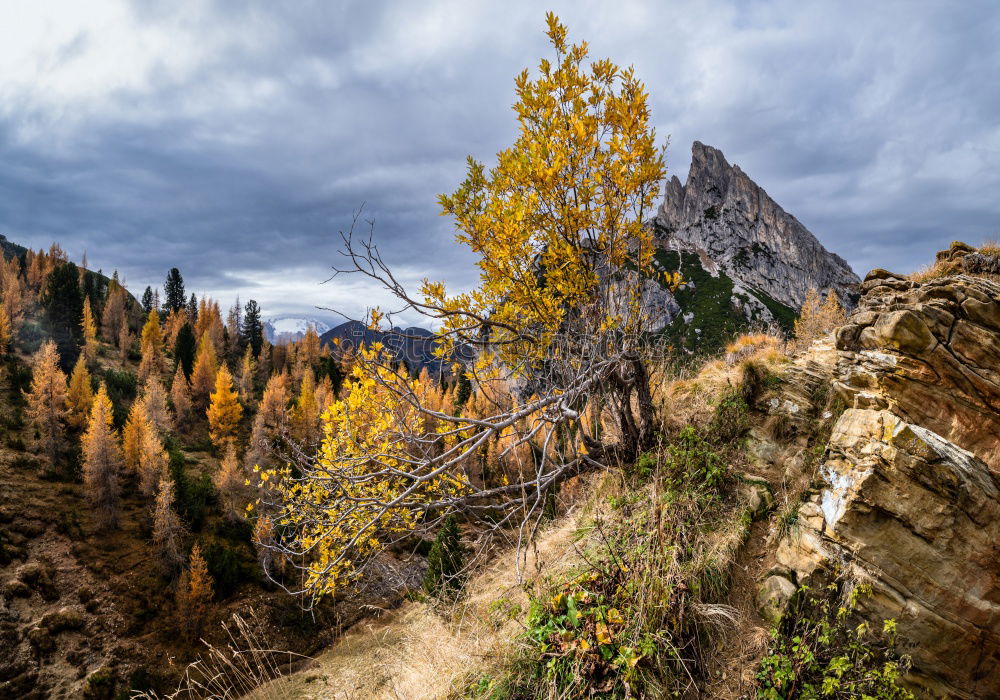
(234, 139)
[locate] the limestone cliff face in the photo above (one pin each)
(908, 493)
(722, 214)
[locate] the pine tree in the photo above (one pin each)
(224, 411)
(253, 327)
(47, 401)
(63, 303)
(204, 373)
(184, 349)
(168, 530)
(173, 291)
(101, 461)
(194, 595)
(445, 561)
(464, 388)
(151, 347)
(80, 397)
(230, 482)
(180, 396)
(14, 295)
(192, 308)
(89, 329)
(147, 300)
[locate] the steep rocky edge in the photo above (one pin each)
(721, 214)
(906, 494)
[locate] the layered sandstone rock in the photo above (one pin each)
(930, 353)
(722, 214)
(919, 518)
(908, 494)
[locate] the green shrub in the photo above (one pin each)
(121, 385)
(227, 567)
(691, 459)
(821, 650)
(444, 577)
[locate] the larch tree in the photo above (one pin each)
(230, 483)
(89, 328)
(271, 421)
(136, 427)
(80, 397)
(153, 462)
(151, 347)
(195, 591)
(47, 401)
(168, 529)
(305, 417)
(154, 399)
(101, 461)
(114, 318)
(248, 376)
(565, 262)
(818, 317)
(204, 372)
(125, 340)
(6, 330)
(224, 411)
(180, 397)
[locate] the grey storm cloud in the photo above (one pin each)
(235, 139)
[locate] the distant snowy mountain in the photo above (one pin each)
(287, 329)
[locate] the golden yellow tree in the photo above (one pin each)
(80, 396)
(565, 265)
(271, 421)
(136, 427)
(154, 399)
(168, 530)
(818, 317)
(230, 483)
(47, 401)
(89, 328)
(101, 461)
(224, 411)
(153, 462)
(248, 371)
(114, 318)
(6, 331)
(195, 591)
(151, 347)
(305, 418)
(204, 372)
(180, 396)
(125, 340)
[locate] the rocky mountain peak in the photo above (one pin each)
(723, 215)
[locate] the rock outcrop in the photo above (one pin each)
(722, 214)
(908, 490)
(930, 353)
(919, 518)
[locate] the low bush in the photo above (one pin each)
(821, 649)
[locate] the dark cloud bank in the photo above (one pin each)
(234, 140)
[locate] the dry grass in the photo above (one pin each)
(691, 400)
(940, 268)
(419, 651)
